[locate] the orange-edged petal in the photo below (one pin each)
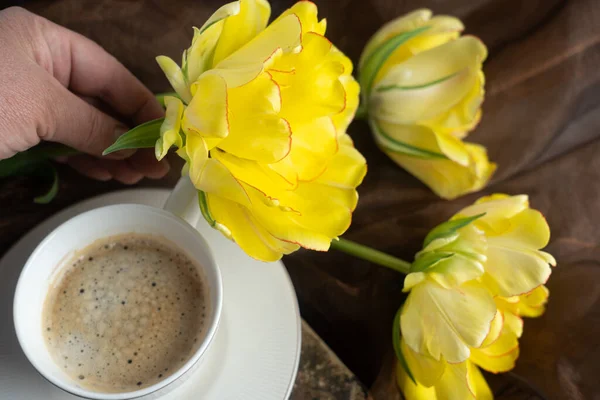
(206, 115)
(256, 131)
(245, 230)
(447, 322)
(241, 28)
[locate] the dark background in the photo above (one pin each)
(540, 124)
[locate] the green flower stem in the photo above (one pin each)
(369, 254)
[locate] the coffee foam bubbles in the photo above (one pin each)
(127, 312)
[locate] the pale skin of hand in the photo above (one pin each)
(49, 79)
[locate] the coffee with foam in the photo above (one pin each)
(127, 311)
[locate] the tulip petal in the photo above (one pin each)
(169, 130)
(447, 178)
(313, 145)
(347, 167)
(457, 235)
(500, 356)
(255, 108)
(352, 91)
(206, 115)
(495, 329)
(406, 23)
(222, 13)
(314, 88)
(250, 60)
(307, 12)
(426, 370)
(422, 102)
(175, 77)
(511, 272)
(254, 174)
(526, 230)
(410, 390)
(454, 271)
(440, 62)
(209, 175)
(454, 384)
(513, 323)
(533, 304)
(459, 382)
(377, 60)
(313, 219)
(440, 30)
(285, 168)
(498, 208)
(242, 27)
(477, 383)
(254, 239)
(465, 115)
(410, 140)
(199, 57)
(279, 224)
(447, 322)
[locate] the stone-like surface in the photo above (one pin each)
(322, 375)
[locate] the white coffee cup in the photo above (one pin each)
(175, 223)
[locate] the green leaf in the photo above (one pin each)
(140, 137)
(397, 146)
(448, 228)
(203, 203)
(397, 348)
(378, 58)
(24, 162)
(51, 194)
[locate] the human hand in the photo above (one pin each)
(50, 81)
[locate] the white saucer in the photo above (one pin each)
(255, 353)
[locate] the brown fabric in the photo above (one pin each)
(540, 124)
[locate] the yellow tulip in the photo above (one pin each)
(261, 121)
(514, 234)
(476, 276)
(422, 88)
(437, 380)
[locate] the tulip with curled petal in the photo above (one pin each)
(422, 89)
(476, 276)
(261, 122)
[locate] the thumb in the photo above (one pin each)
(80, 125)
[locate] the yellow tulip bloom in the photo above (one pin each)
(488, 249)
(261, 123)
(437, 380)
(514, 234)
(476, 276)
(423, 88)
(448, 311)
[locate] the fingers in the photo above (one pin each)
(72, 121)
(145, 162)
(125, 171)
(89, 70)
(89, 167)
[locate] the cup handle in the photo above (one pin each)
(183, 201)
